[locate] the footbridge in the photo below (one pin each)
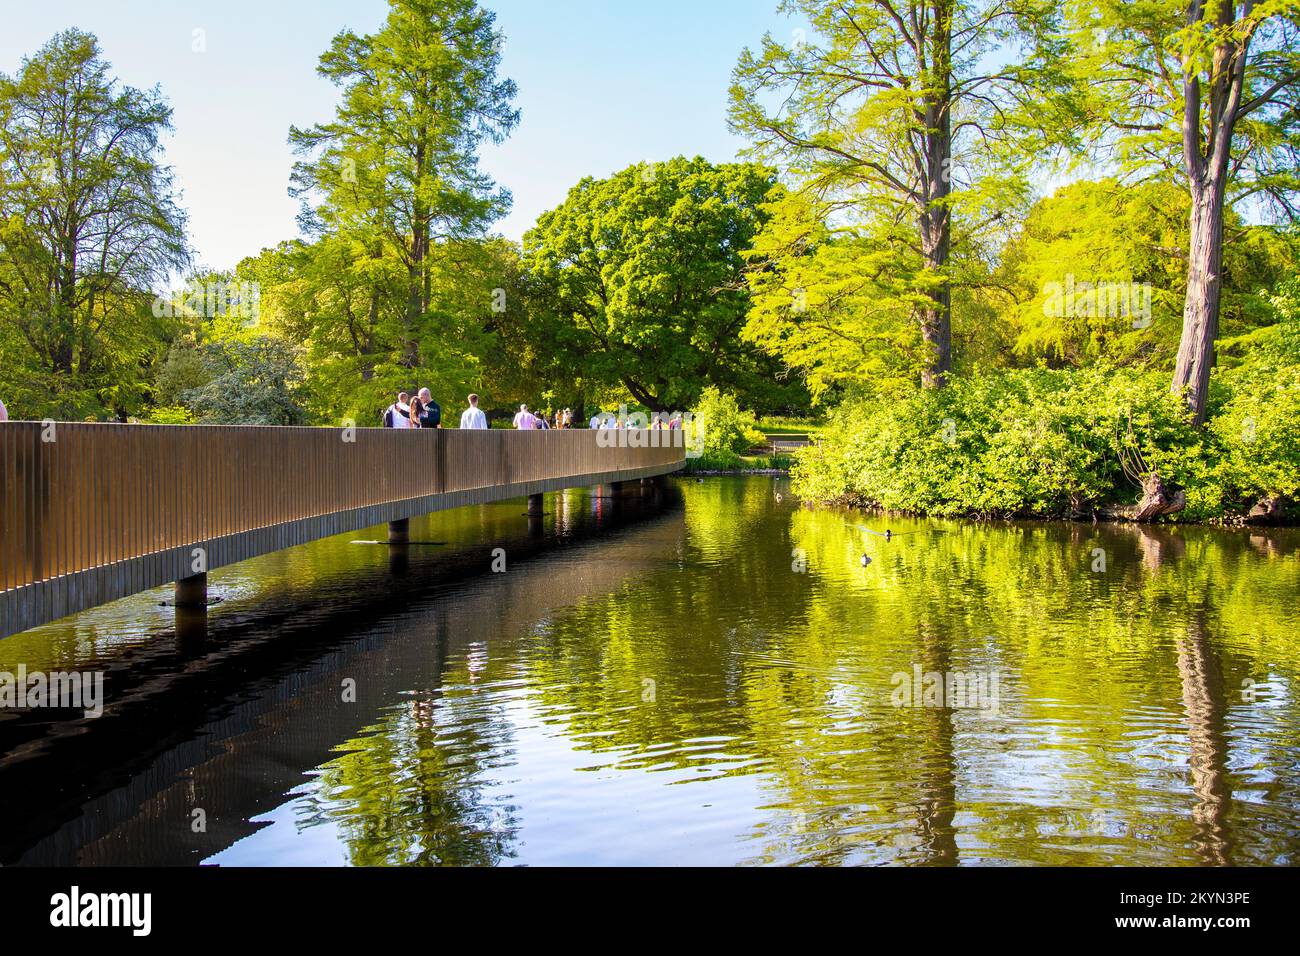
(95, 512)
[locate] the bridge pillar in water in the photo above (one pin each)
(535, 506)
(192, 593)
(191, 627)
(191, 610)
(399, 532)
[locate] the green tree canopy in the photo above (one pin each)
(638, 280)
(88, 226)
(394, 196)
(1203, 93)
(905, 126)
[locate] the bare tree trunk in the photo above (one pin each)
(936, 220)
(1207, 161)
(1201, 308)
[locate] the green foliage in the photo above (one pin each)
(1139, 61)
(837, 305)
(396, 290)
(170, 415)
(906, 137)
(637, 280)
(1132, 241)
(254, 381)
(88, 226)
(721, 430)
(1256, 425)
(1019, 443)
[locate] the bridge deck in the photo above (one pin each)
(92, 513)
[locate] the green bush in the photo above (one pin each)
(721, 429)
(170, 415)
(1055, 443)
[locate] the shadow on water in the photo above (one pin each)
(188, 709)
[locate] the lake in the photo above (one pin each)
(709, 674)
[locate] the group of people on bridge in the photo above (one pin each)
(525, 419)
(423, 412)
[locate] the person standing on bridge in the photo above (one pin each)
(4, 413)
(431, 416)
(398, 414)
(473, 416)
(525, 419)
(417, 414)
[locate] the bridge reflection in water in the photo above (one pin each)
(92, 513)
(259, 700)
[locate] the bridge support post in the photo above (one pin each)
(192, 593)
(399, 532)
(535, 506)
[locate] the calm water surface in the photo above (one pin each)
(710, 677)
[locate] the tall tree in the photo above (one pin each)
(888, 115)
(638, 279)
(1208, 91)
(397, 170)
(88, 225)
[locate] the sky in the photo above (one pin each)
(602, 84)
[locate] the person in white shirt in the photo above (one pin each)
(398, 414)
(473, 416)
(525, 419)
(595, 420)
(4, 413)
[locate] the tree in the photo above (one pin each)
(347, 310)
(88, 225)
(396, 172)
(896, 118)
(638, 280)
(1099, 269)
(248, 381)
(832, 303)
(1205, 91)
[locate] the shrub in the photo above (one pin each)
(1029, 443)
(722, 429)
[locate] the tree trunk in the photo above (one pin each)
(1270, 509)
(936, 220)
(1201, 308)
(1156, 501)
(1207, 155)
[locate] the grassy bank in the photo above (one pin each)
(732, 463)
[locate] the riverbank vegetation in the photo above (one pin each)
(1023, 259)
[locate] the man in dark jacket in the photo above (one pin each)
(432, 417)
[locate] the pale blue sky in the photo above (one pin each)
(602, 84)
